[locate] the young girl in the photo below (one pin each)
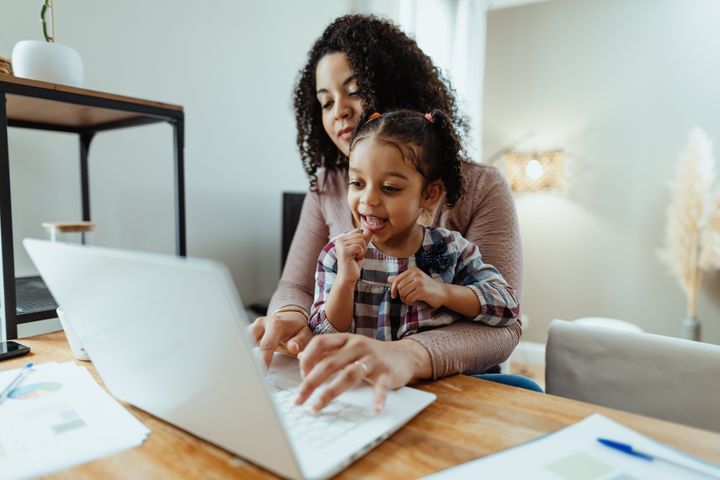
(392, 277)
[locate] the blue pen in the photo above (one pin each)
(15, 382)
(628, 449)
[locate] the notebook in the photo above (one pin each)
(169, 335)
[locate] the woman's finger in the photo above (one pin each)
(299, 341)
(318, 347)
(321, 372)
(318, 368)
(347, 378)
(257, 328)
(380, 390)
(271, 338)
(269, 332)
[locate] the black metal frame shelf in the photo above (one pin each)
(135, 112)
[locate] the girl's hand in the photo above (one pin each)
(350, 249)
(284, 328)
(352, 358)
(414, 285)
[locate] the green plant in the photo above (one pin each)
(47, 5)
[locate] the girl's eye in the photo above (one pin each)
(355, 184)
(390, 188)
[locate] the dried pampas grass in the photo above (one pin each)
(709, 258)
(692, 232)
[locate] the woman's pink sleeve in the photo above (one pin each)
(297, 283)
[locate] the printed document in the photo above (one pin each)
(59, 417)
(574, 453)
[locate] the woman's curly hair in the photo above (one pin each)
(392, 73)
(429, 141)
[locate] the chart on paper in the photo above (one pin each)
(59, 417)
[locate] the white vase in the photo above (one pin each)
(49, 62)
(691, 328)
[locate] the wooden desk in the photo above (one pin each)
(470, 418)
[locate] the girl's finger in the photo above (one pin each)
(406, 287)
(412, 298)
(366, 236)
(408, 296)
(393, 286)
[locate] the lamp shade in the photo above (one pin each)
(534, 171)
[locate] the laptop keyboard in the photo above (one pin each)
(321, 427)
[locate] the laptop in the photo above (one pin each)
(169, 335)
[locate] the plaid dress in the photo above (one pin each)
(444, 255)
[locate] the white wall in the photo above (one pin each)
(617, 85)
(232, 66)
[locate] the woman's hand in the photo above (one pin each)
(284, 328)
(354, 358)
(350, 250)
(414, 285)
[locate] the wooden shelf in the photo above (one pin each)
(47, 106)
(86, 110)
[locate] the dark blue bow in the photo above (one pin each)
(434, 258)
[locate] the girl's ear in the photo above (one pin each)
(433, 194)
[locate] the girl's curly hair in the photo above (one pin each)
(392, 73)
(429, 141)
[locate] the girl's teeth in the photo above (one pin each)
(374, 221)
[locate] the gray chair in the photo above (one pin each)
(653, 375)
(292, 203)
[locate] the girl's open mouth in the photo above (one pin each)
(374, 224)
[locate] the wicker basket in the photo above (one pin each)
(5, 66)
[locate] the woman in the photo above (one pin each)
(362, 62)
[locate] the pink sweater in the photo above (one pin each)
(485, 215)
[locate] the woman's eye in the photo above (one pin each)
(355, 184)
(327, 105)
(356, 93)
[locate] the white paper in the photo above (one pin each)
(574, 453)
(59, 417)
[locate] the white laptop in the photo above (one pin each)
(169, 335)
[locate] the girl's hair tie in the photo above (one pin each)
(429, 117)
(373, 116)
